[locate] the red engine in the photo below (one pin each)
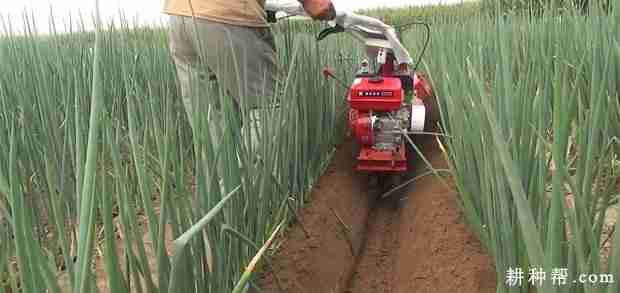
(380, 117)
(370, 100)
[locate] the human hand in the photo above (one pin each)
(319, 9)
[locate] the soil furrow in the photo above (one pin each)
(358, 244)
(374, 268)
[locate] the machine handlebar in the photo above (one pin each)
(364, 28)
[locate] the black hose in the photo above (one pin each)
(426, 42)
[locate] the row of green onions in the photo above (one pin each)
(532, 109)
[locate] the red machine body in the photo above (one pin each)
(378, 114)
(368, 95)
(386, 98)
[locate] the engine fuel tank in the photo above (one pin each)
(376, 94)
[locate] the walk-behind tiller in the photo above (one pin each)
(387, 100)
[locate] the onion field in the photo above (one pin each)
(105, 187)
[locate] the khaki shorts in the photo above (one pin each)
(242, 59)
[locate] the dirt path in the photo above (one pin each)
(335, 219)
(375, 266)
(438, 252)
(359, 245)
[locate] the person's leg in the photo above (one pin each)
(244, 59)
(197, 84)
(197, 81)
(184, 56)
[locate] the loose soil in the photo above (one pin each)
(414, 241)
(336, 223)
(438, 251)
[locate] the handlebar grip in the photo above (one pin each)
(328, 31)
(271, 16)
